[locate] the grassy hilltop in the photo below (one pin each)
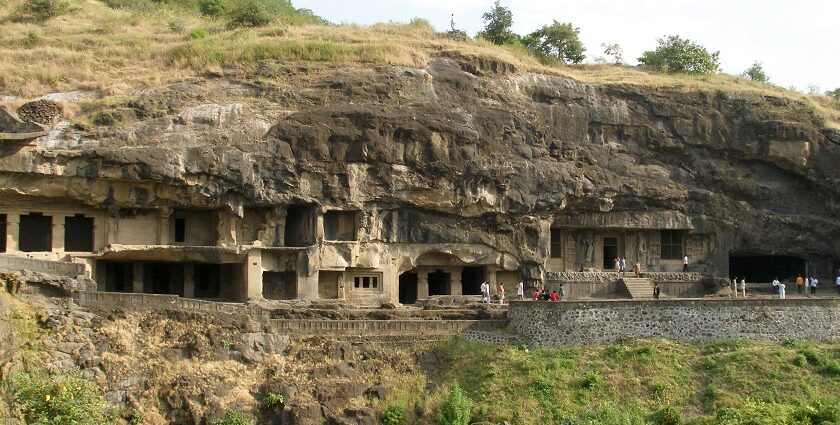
(114, 46)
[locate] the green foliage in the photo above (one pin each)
(497, 23)
(70, 400)
(175, 27)
(271, 399)
(212, 8)
(558, 40)
(233, 418)
(198, 34)
(800, 360)
(756, 73)
(835, 94)
(136, 418)
(32, 39)
(679, 55)
(43, 9)
(248, 13)
(456, 409)
(591, 381)
(666, 416)
(393, 415)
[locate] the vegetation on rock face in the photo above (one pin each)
(456, 409)
(677, 55)
(68, 400)
(497, 23)
(559, 41)
(233, 418)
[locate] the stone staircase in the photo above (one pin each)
(639, 288)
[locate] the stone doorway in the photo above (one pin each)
(408, 288)
(440, 283)
(471, 279)
(328, 283)
(610, 252)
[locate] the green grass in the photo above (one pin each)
(644, 381)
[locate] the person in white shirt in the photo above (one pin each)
(520, 290)
(776, 285)
(781, 290)
(837, 283)
(743, 287)
(814, 283)
(685, 264)
(485, 292)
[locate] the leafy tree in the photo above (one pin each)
(834, 93)
(212, 8)
(675, 54)
(44, 9)
(557, 40)
(614, 51)
(249, 13)
(756, 73)
(497, 23)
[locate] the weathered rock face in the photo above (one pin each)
(464, 153)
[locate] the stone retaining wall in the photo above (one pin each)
(606, 277)
(418, 328)
(578, 323)
(155, 301)
(60, 268)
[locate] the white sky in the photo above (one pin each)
(797, 41)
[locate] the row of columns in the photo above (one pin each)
(13, 232)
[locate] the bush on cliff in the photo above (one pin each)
(68, 400)
(679, 55)
(456, 409)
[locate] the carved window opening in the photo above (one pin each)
(671, 242)
(366, 282)
(556, 243)
(35, 233)
(300, 225)
(78, 233)
(340, 225)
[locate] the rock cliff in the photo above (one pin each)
(468, 151)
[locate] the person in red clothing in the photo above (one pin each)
(554, 296)
(536, 295)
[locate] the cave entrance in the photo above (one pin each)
(300, 225)
(35, 233)
(119, 277)
(78, 233)
(610, 252)
(440, 283)
(328, 283)
(163, 278)
(765, 268)
(2, 232)
(280, 285)
(408, 288)
(471, 279)
(207, 281)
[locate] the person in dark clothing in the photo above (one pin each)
(545, 296)
(656, 291)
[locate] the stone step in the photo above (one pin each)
(638, 288)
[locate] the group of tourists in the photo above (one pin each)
(807, 284)
(500, 292)
(621, 267)
(555, 295)
(739, 287)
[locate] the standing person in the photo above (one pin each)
(623, 266)
(743, 286)
(638, 269)
(562, 293)
(617, 265)
(776, 285)
(733, 288)
(500, 291)
(685, 264)
(799, 283)
(485, 292)
(837, 283)
(554, 296)
(656, 291)
(535, 296)
(520, 291)
(814, 283)
(781, 290)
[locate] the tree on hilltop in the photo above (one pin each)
(675, 54)
(558, 40)
(497, 23)
(756, 73)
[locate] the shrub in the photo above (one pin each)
(271, 399)
(198, 34)
(666, 416)
(44, 9)
(71, 399)
(456, 409)
(590, 382)
(830, 368)
(212, 8)
(249, 13)
(233, 418)
(756, 73)
(800, 360)
(818, 413)
(675, 54)
(136, 418)
(393, 415)
(175, 27)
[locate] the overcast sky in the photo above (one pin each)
(798, 41)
